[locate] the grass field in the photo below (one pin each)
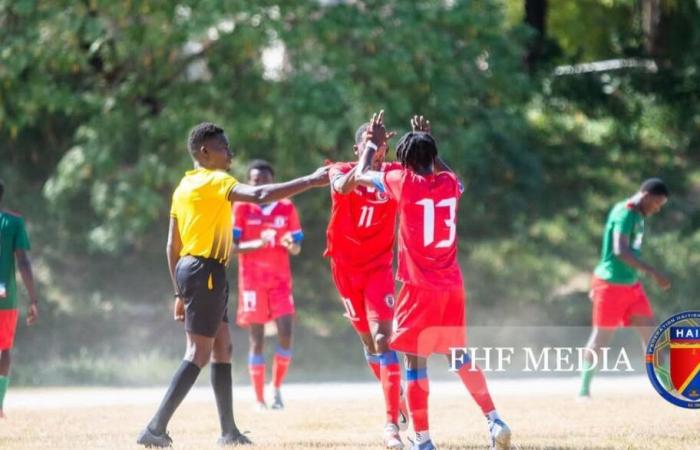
(624, 413)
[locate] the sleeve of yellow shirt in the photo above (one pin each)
(225, 183)
(173, 206)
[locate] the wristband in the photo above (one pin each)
(371, 145)
(178, 295)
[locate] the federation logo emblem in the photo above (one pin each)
(673, 359)
(685, 361)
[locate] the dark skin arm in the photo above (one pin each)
(294, 248)
(252, 245)
(376, 135)
(172, 250)
(622, 250)
(240, 247)
(345, 183)
(25, 270)
(267, 193)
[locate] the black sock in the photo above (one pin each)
(180, 385)
(222, 385)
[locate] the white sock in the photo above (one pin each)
(422, 437)
(493, 415)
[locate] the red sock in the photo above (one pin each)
(417, 391)
(391, 384)
(280, 364)
(256, 369)
(374, 365)
(475, 382)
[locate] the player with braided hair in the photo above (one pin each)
(429, 314)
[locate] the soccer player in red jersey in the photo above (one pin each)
(360, 246)
(264, 236)
(429, 313)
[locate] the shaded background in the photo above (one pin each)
(550, 110)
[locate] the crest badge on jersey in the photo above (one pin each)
(280, 221)
(390, 300)
(676, 340)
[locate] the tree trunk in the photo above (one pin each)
(651, 25)
(536, 17)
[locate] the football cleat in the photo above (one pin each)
(277, 402)
(392, 439)
(403, 412)
(500, 435)
(424, 446)
(147, 438)
(236, 439)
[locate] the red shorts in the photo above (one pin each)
(8, 326)
(368, 296)
(614, 304)
(429, 320)
(264, 303)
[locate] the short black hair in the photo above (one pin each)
(260, 164)
(416, 150)
(2, 189)
(654, 186)
(201, 133)
(359, 134)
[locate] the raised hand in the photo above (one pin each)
(376, 133)
(420, 123)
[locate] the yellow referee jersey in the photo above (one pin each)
(203, 212)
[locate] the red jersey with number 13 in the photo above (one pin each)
(427, 227)
(360, 232)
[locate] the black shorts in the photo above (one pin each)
(202, 283)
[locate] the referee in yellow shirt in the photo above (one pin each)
(199, 244)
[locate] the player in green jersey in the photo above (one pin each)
(618, 297)
(14, 244)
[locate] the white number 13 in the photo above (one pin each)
(429, 207)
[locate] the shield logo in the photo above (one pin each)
(685, 361)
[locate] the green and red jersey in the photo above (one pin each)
(13, 237)
(626, 220)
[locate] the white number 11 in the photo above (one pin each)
(429, 221)
(366, 216)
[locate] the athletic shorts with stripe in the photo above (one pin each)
(202, 282)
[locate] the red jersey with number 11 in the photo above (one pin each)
(360, 232)
(427, 227)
